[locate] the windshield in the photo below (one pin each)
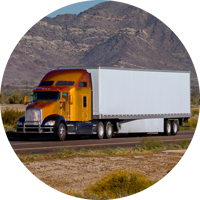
(46, 96)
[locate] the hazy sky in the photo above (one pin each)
(75, 8)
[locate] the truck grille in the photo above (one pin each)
(33, 115)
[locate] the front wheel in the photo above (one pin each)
(61, 132)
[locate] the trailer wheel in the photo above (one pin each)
(108, 130)
(167, 127)
(100, 130)
(174, 127)
(24, 137)
(61, 132)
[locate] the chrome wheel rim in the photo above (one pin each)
(175, 128)
(109, 130)
(101, 131)
(62, 132)
(168, 128)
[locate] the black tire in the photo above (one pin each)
(174, 127)
(24, 137)
(108, 130)
(100, 130)
(167, 127)
(61, 135)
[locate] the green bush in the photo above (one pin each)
(184, 143)
(15, 99)
(150, 144)
(10, 116)
(195, 112)
(117, 184)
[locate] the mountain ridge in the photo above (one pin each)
(108, 34)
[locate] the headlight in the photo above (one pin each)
(50, 123)
(19, 123)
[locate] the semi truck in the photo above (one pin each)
(104, 101)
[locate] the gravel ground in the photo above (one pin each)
(78, 172)
(19, 107)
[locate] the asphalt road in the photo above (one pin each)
(44, 145)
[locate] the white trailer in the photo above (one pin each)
(141, 100)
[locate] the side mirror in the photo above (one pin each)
(71, 99)
(25, 100)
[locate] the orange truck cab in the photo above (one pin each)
(63, 96)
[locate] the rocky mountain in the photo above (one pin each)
(109, 34)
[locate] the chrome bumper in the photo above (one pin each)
(34, 129)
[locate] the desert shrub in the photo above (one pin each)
(119, 183)
(84, 151)
(192, 123)
(15, 98)
(10, 116)
(150, 144)
(63, 153)
(195, 112)
(138, 148)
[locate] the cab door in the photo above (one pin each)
(64, 105)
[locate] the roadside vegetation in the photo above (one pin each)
(10, 117)
(192, 122)
(115, 183)
(15, 98)
(12, 95)
(119, 183)
(148, 145)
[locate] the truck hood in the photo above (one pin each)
(47, 107)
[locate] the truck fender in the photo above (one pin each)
(22, 119)
(57, 118)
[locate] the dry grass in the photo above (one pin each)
(148, 146)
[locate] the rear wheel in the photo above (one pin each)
(24, 137)
(100, 130)
(108, 130)
(174, 127)
(167, 127)
(61, 132)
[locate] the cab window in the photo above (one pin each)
(46, 83)
(64, 83)
(82, 84)
(65, 96)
